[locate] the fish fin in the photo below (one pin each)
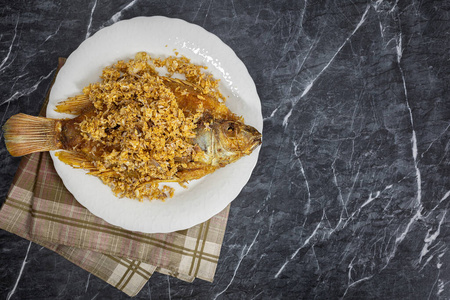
(194, 171)
(75, 160)
(25, 134)
(74, 105)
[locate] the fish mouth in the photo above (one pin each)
(256, 140)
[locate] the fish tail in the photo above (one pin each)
(74, 105)
(26, 134)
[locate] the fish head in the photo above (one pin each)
(225, 141)
(234, 139)
(235, 136)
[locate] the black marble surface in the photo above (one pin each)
(350, 198)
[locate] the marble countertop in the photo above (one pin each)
(350, 197)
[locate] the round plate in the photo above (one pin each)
(160, 37)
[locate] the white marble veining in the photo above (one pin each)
(245, 250)
(13, 290)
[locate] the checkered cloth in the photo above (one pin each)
(39, 208)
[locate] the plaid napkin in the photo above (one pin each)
(39, 208)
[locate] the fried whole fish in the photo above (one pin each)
(136, 129)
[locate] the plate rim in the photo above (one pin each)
(228, 51)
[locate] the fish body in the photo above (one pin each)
(139, 141)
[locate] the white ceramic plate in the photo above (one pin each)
(159, 36)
